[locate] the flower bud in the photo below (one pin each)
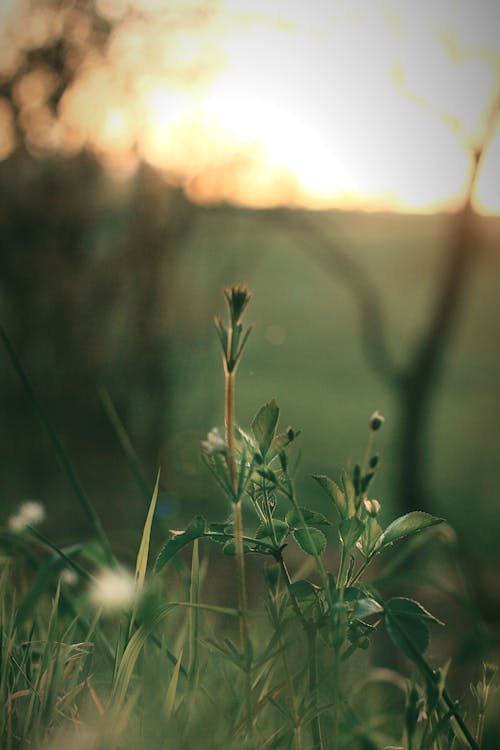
(372, 507)
(376, 421)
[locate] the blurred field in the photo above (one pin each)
(305, 351)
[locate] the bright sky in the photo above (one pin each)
(327, 103)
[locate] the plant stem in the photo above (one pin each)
(229, 425)
(313, 688)
(238, 535)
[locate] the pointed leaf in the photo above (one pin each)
(350, 493)
(405, 624)
(194, 530)
(280, 441)
(369, 539)
(172, 688)
(402, 606)
(303, 516)
(143, 553)
(334, 493)
(405, 526)
(350, 530)
(264, 425)
(310, 540)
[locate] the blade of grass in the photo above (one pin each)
(172, 688)
(124, 441)
(127, 663)
(61, 454)
(143, 553)
(141, 563)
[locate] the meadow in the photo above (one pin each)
(273, 638)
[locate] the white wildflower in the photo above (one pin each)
(69, 577)
(214, 442)
(30, 513)
(114, 590)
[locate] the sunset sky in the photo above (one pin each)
(346, 104)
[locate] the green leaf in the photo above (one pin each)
(303, 516)
(366, 607)
(264, 425)
(310, 540)
(405, 623)
(369, 539)
(280, 529)
(350, 529)
(222, 333)
(282, 440)
(334, 493)
(408, 525)
(194, 530)
(402, 606)
(350, 493)
(304, 589)
(143, 553)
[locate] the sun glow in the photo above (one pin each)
(350, 105)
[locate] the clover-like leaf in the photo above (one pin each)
(280, 529)
(264, 425)
(312, 541)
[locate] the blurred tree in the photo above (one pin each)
(85, 282)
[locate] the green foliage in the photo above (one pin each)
(264, 426)
(169, 667)
(405, 622)
(180, 539)
(310, 540)
(405, 526)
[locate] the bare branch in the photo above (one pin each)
(320, 245)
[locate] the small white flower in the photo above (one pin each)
(30, 513)
(214, 442)
(69, 577)
(114, 590)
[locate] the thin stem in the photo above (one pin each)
(297, 735)
(229, 425)
(238, 533)
(368, 451)
(319, 562)
(313, 688)
(295, 602)
(336, 702)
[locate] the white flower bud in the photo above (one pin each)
(30, 513)
(214, 442)
(114, 590)
(372, 507)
